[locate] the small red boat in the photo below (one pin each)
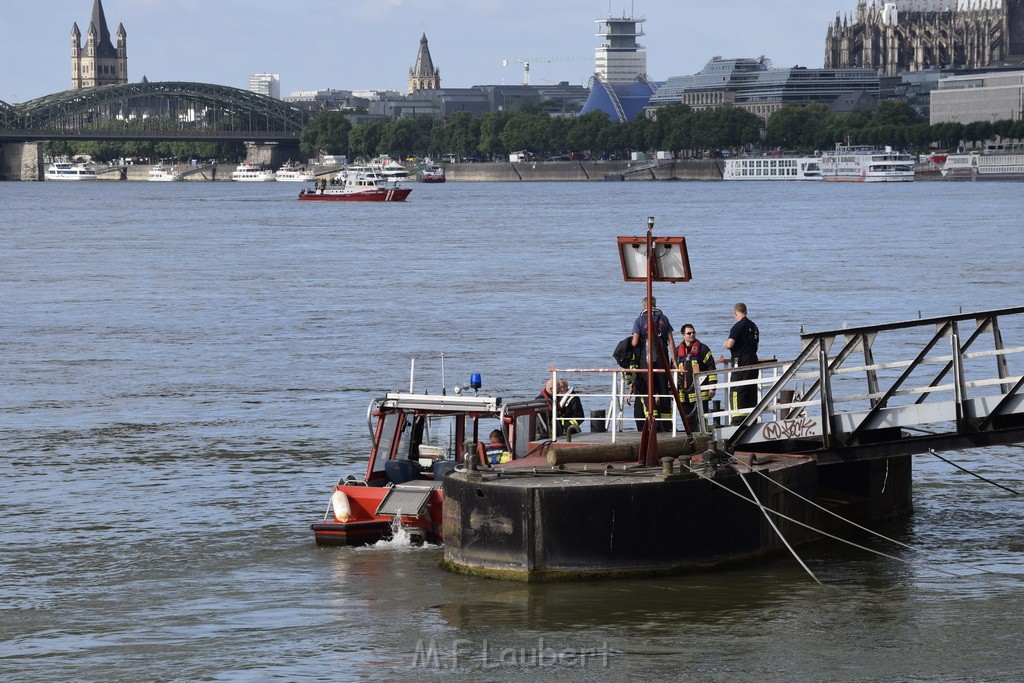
(431, 174)
(357, 184)
(417, 439)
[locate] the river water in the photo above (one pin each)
(186, 369)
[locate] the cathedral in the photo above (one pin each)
(423, 76)
(892, 36)
(98, 62)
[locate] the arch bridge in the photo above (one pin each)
(171, 110)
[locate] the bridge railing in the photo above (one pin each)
(848, 386)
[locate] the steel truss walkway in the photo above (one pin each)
(172, 110)
(882, 390)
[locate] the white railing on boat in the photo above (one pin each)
(949, 375)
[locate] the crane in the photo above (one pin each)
(525, 61)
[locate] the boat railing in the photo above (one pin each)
(612, 389)
(949, 375)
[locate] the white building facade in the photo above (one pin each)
(976, 98)
(266, 84)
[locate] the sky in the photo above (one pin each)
(372, 44)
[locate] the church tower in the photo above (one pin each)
(423, 76)
(98, 62)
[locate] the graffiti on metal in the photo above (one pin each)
(790, 429)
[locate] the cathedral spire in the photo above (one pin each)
(100, 21)
(424, 76)
(101, 63)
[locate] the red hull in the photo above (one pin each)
(366, 527)
(397, 195)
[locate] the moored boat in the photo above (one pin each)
(252, 173)
(161, 173)
(975, 166)
(866, 165)
(357, 184)
(431, 174)
(773, 168)
(291, 172)
(416, 440)
(67, 170)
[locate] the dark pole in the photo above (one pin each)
(649, 439)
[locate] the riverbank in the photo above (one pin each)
(561, 171)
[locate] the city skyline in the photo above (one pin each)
(372, 44)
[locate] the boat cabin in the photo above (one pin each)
(423, 436)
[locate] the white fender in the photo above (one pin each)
(342, 510)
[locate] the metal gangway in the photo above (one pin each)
(879, 390)
(855, 393)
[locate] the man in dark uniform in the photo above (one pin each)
(666, 342)
(742, 342)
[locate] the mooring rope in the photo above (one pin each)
(1013, 461)
(973, 474)
(848, 542)
(870, 531)
(776, 528)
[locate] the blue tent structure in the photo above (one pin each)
(621, 101)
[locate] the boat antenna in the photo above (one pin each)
(443, 385)
(412, 374)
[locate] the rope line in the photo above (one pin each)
(861, 527)
(848, 542)
(973, 474)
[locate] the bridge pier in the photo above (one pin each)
(271, 154)
(21, 161)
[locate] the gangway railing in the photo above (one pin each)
(944, 376)
(881, 379)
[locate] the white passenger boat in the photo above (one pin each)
(866, 165)
(780, 168)
(293, 173)
(393, 170)
(162, 174)
(975, 166)
(66, 170)
(357, 184)
(252, 173)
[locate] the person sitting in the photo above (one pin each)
(494, 451)
(570, 409)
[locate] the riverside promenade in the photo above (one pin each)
(687, 169)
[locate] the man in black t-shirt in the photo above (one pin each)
(742, 342)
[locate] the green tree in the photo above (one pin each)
(460, 134)
(399, 138)
(894, 113)
(585, 131)
(798, 127)
(492, 125)
(326, 133)
(365, 138)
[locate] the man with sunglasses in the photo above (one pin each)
(694, 356)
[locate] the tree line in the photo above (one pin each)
(676, 128)
(492, 136)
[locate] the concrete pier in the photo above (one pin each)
(21, 161)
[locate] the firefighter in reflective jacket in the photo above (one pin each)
(694, 356)
(570, 409)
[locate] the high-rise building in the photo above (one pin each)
(98, 61)
(892, 36)
(424, 76)
(619, 87)
(619, 58)
(266, 84)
